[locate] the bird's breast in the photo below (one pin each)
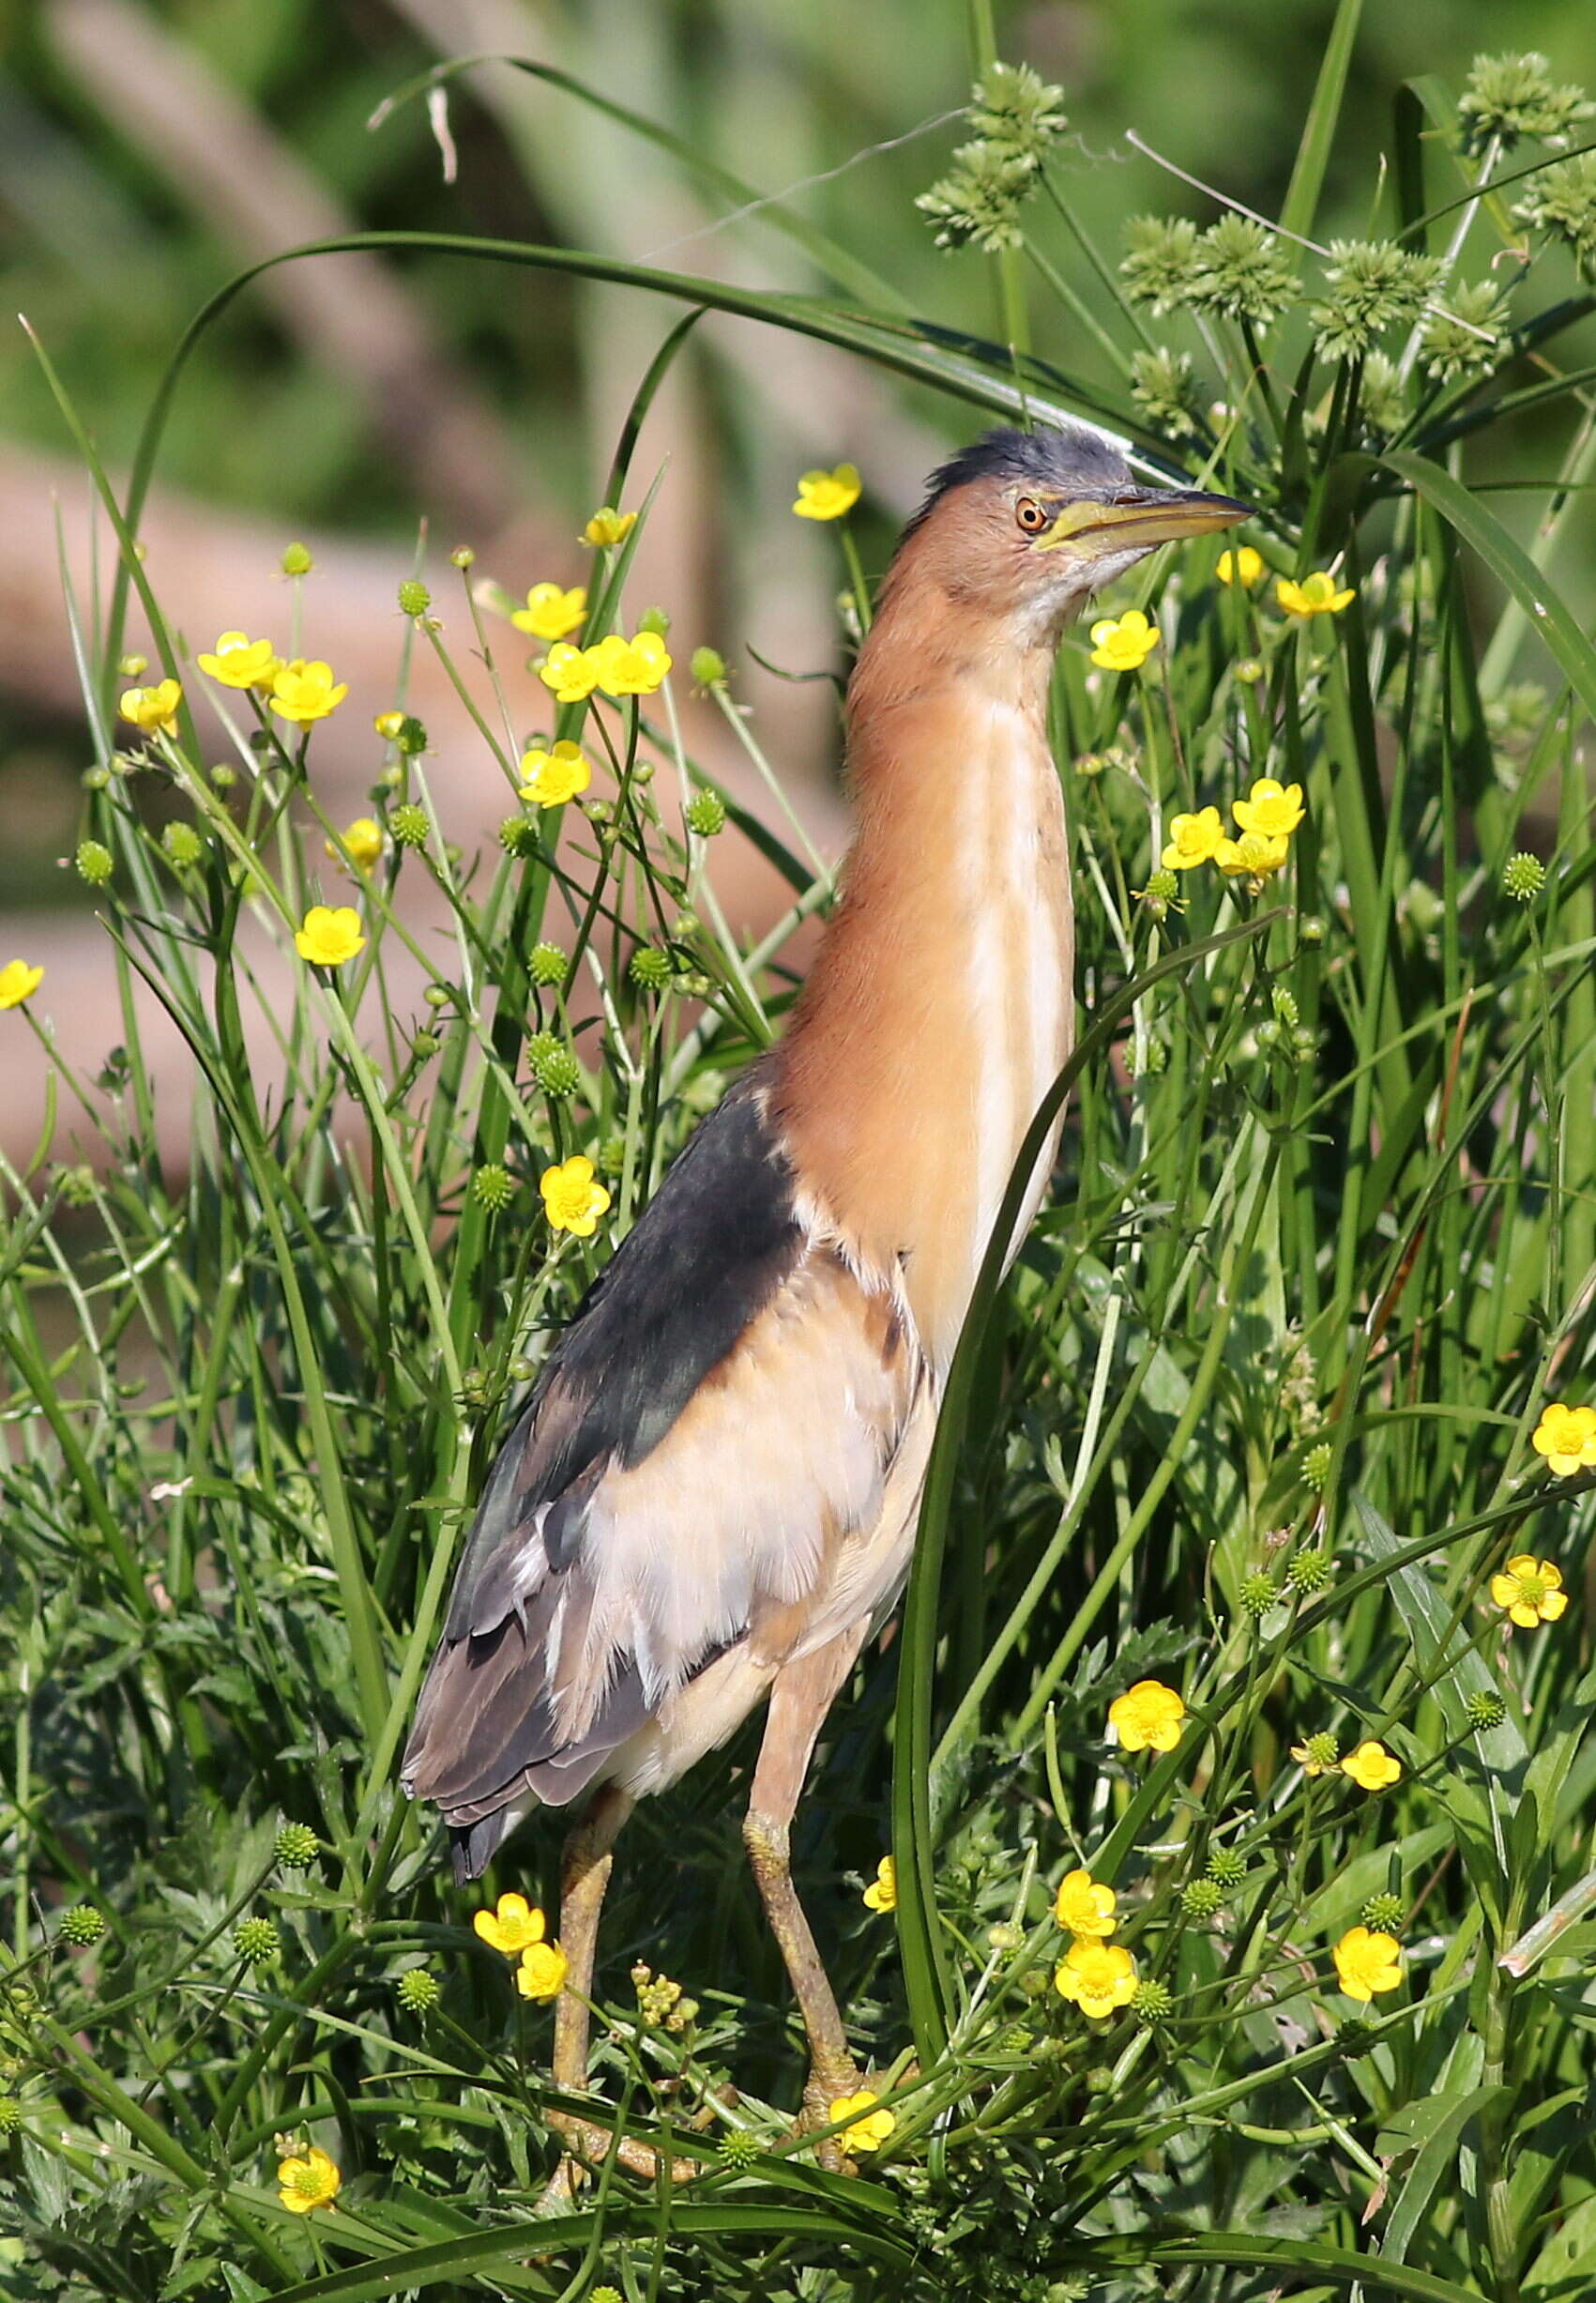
(940, 1008)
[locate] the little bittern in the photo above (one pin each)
(710, 1499)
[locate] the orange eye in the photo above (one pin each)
(1031, 515)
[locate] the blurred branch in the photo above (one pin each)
(353, 314)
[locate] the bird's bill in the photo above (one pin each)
(1142, 516)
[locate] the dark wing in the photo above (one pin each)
(604, 1566)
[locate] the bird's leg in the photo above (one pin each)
(584, 1874)
(800, 1697)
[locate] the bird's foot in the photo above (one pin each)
(830, 2078)
(591, 2149)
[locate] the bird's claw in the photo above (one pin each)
(830, 2078)
(590, 2148)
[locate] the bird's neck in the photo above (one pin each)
(940, 1005)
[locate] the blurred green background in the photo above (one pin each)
(147, 151)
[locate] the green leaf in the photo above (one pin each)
(1312, 157)
(1566, 2267)
(926, 1977)
(1547, 611)
(419, 2267)
(1442, 2140)
(1427, 1618)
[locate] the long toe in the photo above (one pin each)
(830, 2078)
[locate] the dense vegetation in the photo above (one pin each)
(1271, 1457)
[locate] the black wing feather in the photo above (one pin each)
(713, 1246)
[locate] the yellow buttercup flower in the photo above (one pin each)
(1098, 1977)
(555, 776)
(329, 935)
(870, 2128)
(1272, 809)
(309, 2182)
(1530, 1589)
(1372, 1766)
(1244, 566)
(1368, 1961)
(572, 1200)
(154, 710)
(511, 1927)
(1253, 854)
(1566, 1437)
(542, 1972)
(303, 691)
(1317, 595)
(18, 981)
(1084, 1907)
(1192, 840)
(363, 839)
(1121, 643)
(239, 661)
(825, 495)
(550, 614)
(1147, 1717)
(631, 667)
(608, 526)
(882, 1893)
(570, 672)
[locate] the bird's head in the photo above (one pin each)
(1021, 526)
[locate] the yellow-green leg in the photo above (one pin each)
(585, 1863)
(801, 1697)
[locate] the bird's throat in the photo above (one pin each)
(939, 1008)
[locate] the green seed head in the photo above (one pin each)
(707, 814)
(1226, 1868)
(77, 1187)
(10, 2117)
(709, 668)
(518, 836)
(1385, 1914)
(1308, 1573)
(649, 969)
(418, 1992)
(1258, 1595)
(414, 597)
(547, 964)
(740, 2149)
(255, 1941)
(1151, 2001)
(94, 863)
(1201, 1899)
(655, 620)
(296, 1846)
(1524, 875)
(296, 560)
(493, 1187)
(82, 1926)
(410, 825)
(1316, 1465)
(183, 845)
(555, 1068)
(1485, 1708)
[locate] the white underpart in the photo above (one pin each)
(1017, 947)
(734, 1507)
